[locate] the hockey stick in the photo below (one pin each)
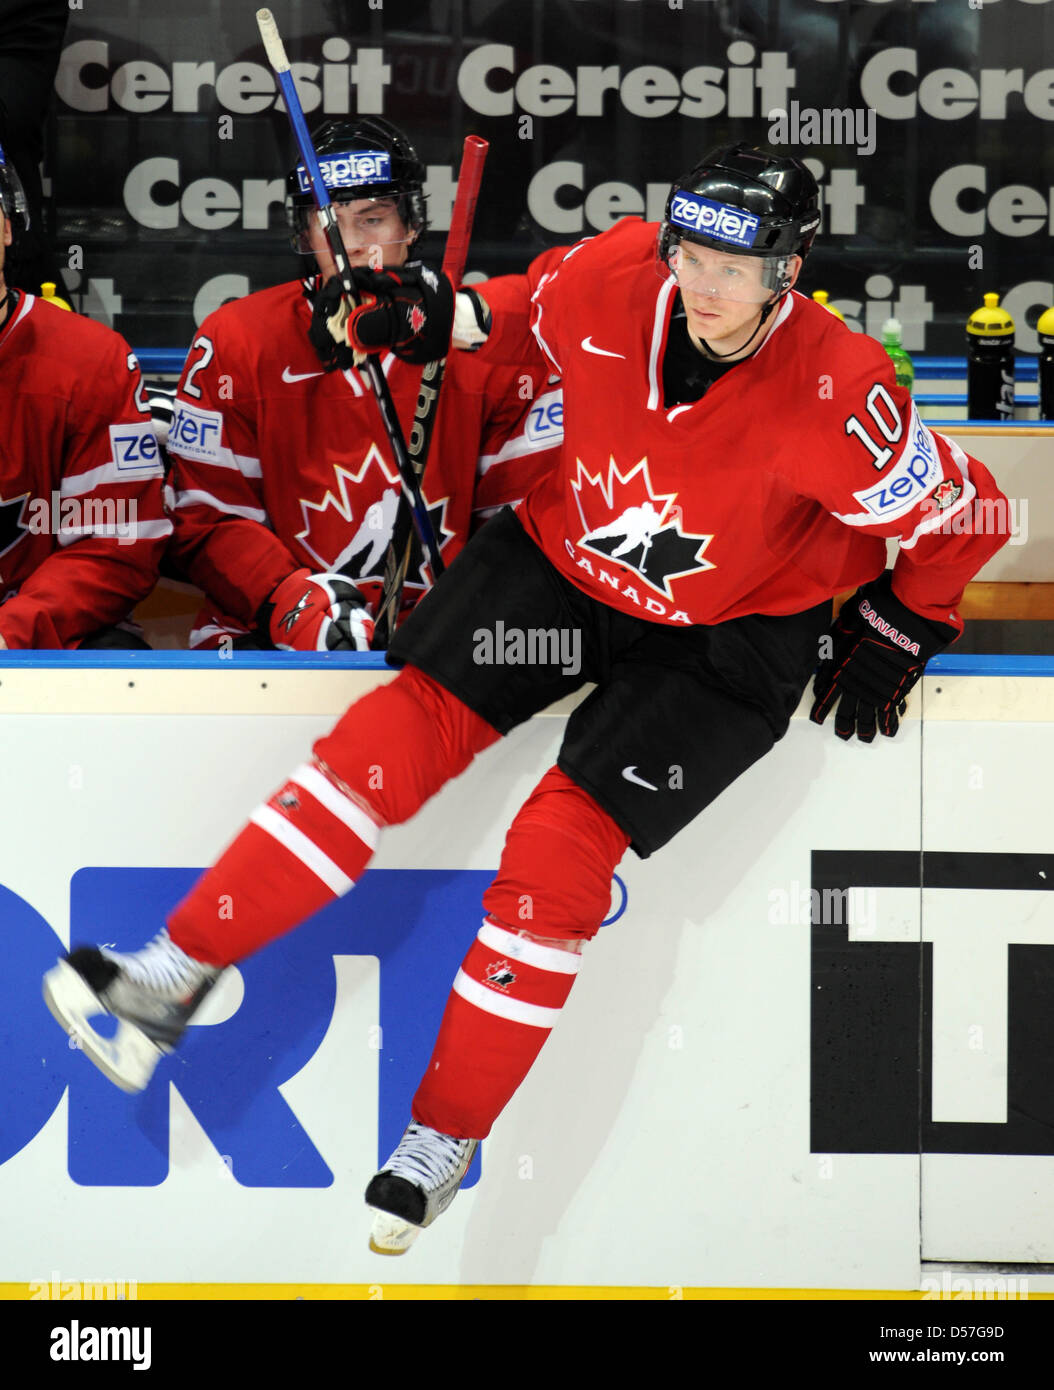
(397, 560)
(276, 56)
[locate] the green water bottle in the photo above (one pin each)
(903, 367)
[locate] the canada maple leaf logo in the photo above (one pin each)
(625, 519)
(417, 319)
(947, 493)
(352, 524)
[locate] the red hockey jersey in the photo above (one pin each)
(82, 527)
(774, 492)
(278, 465)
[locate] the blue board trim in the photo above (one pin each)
(196, 661)
(1018, 665)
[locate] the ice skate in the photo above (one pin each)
(416, 1185)
(152, 993)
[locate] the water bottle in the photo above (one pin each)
(821, 298)
(903, 367)
(990, 362)
(1045, 329)
(47, 293)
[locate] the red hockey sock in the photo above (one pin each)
(555, 879)
(389, 753)
(506, 997)
(300, 850)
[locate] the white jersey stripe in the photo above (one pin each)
(337, 804)
(300, 847)
(226, 458)
(197, 496)
(935, 522)
(127, 533)
(491, 1002)
(528, 440)
(654, 393)
(786, 309)
(531, 952)
(79, 484)
(536, 323)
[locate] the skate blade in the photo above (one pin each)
(391, 1235)
(127, 1059)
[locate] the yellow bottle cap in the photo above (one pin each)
(821, 298)
(1046, 323)
(991, 321)
(47, 291)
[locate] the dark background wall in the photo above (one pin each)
(166, 151)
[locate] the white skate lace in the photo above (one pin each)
(427, 1158)
(159, 965)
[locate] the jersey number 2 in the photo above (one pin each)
(207, 351)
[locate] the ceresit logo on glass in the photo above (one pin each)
(349, 169)
(717, 220)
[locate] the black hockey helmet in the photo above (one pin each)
(360, 157)
(743, 200)
(12, 196)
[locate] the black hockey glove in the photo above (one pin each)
(879, 650)
(410, 310)
(333, 352)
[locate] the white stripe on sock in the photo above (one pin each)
(532, 952)
(337, 804)
(491, 1002)
(300, 847)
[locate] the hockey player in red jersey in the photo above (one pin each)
(733, 458)
(283, 488)
(82, 527)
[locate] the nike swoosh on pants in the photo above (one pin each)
(630, 774)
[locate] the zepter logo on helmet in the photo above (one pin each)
(739, 202)
(12, 196)
(368, 160)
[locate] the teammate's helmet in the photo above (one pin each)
(360, 157)
(12, 196)
(741, 200)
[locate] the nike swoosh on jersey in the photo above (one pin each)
(587, 343)
(630, 774)
(289, 377)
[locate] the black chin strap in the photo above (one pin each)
(765, 312)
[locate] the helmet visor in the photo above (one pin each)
(703, 273)
(366, 224)
(13, 202)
